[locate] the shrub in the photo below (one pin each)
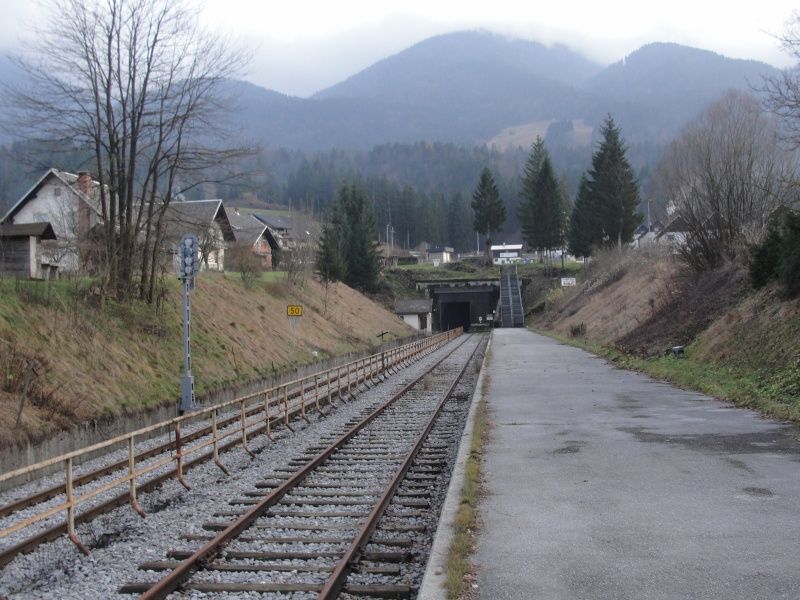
(765, 258)
(778, 257)
(789, 268)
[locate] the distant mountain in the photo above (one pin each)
(472, 87)
(468, 87)
(445, 67)
(661, 86)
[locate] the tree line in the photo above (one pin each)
(605, 212)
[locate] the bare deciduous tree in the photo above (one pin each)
(782, 91)
(724, 175)
(138, 83)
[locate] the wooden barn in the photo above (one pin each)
(21, 251)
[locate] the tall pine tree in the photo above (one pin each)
(579, 232)
(348, 249)
(329, 260)
(613, 192)
(489, 212)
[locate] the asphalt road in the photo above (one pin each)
(604, 484)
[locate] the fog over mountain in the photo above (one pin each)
(471, 87)
(467, 87)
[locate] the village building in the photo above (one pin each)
(70, 203)
(21, 252)
(440, 255)
(504, 254)
(207, 220)
(250, 232)
(392, 256)
(416, 312)
(673, 235)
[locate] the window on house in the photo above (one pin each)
(57, 191)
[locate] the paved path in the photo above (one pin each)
(604, 484)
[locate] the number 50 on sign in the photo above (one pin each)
(294, 310)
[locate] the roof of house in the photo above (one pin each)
(43, 231)
(246, 228)
(68, 179)
(434, 249)
(678, 224)
(507, 247)
(276, 221)
(198, 214)
(412, 306)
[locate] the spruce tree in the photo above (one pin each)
(329, 260)
(489, 212)
(359, 243)
(613, 192)
(541, 207)
(579, 232)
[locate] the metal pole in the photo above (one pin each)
(187, 383)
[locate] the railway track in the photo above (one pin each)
(343, 518)
(162, 460)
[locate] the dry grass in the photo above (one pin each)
(741, 346)
(621, 294)
(460, 570)
(101, 362)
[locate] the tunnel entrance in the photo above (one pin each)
(455, 314)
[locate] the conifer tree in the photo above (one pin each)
(489, 212)
(348, 249)
(579, 232)
(613, 192)
(541, 207)
(359, 239)
(329, 260)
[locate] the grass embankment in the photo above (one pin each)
(64, 359)
(459, 567)
(740, 345)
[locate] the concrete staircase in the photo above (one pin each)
(511, 312)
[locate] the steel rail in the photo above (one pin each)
(333, 586)
(180, 574)
(334, 378)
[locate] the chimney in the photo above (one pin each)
(85, 183)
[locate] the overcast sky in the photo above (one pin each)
(303, 46)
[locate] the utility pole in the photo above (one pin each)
(190, 264)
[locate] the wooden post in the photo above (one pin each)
(214, 439)
(266, 416)
(132, 474)
(303, 400)
(71, 507)
(179, 455)
(244, 430)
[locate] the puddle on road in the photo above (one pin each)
(781, 440)
(758, 492)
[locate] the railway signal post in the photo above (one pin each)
(189, 265)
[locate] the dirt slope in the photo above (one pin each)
(740, 344)
(73, 361)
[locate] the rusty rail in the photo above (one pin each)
(248, 415)
(173, 580)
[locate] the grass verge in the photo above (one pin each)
(459, 567)
(775, 394)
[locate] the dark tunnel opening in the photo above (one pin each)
(455, 314)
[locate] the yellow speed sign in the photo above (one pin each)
(294, 310)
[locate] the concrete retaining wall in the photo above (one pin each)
(86, 434)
